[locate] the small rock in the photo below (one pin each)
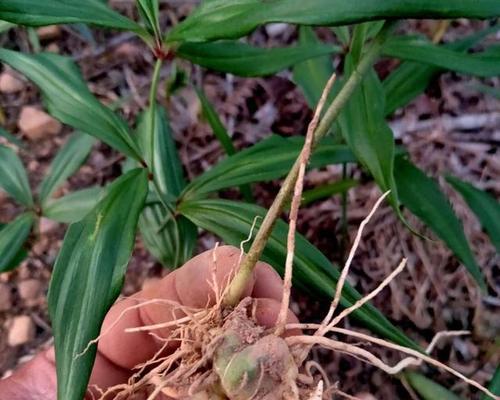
(30, 289)
(49, 32)
(128, 50)
(5, 297)
(47, 225)
(53, 48)
(36, 124)
(276, 29)
(21, 331)
(10, 83)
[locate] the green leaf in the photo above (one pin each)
(328, 190)
(67, 161)
(418, 49)
(269, 159)
(494, 385)
(223, 19)
(423, 197)
(428, 389)
(312, 75)
(6, 26)
(313, 272)
(88, 276)
(222, 135)
(411, 78)
(12, 238)
(153, 125)
(68, 99)
(11, 138)
(49, 12)
(216, 124)
(485, 206)
(245, 60)
(149, 9)
(171, 239)
(367, 133)
(74, 206)
(13, 178)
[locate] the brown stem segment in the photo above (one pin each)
(238, 284)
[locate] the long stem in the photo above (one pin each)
(241, 279)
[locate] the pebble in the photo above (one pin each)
(36, 124)
(10, 83)
(47, 225)
(49, 32)
(30, 289)
(5, 297)
(21, 330)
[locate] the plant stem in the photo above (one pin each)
(241, 279)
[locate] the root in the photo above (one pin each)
(294, 209)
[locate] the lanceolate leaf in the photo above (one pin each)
(154, 126)
(485, 206)
(367, 133)
(68, 99)
(412, 78)
(246, 60)
(311, 75)
(12, 238)
(13, 178)
(428, 389)
(313, 272)
(423, 197)
(74, 206)
(222, 135)
(66, 163)
(223, 19)
(87, 278)
(171, 239)
(326, 191)
(48, 12)
(418, 49)
(149, 9)
(269, 159)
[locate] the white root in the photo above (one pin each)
(294, 208)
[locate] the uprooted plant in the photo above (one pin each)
(155, 197)
(224, 353)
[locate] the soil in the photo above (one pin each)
(434, 293)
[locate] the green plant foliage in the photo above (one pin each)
(485, 206)
(225, 19)
(149, 10)
(423, 197)
(245, 60)
(367, 133)
(411, 48)
(311, 75)
(11, 138)
(88, 276)
(222, 135)
(12, 238)
(68, 99)
(49, 12)
(269, 159)
(313, 272)
(74, 206)
(170, 238)
(411, 78)
(67, 161)
(428, 389)
(494, 385)
(13, 178)
(326, 191)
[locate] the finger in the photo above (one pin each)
(266, 313)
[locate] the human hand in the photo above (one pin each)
(119, 351)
